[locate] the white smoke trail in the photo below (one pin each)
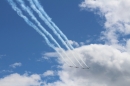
(55, 29)
(39, 24)
(46, 22)
(19, 12)
(51, 27)
(49, 19)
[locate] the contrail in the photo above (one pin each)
(46, 22)
(19, 12)
(51, 27)
(39, 24)
(49, 19)
(55, 29)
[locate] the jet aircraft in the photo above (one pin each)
(82, 68)
(86, 68)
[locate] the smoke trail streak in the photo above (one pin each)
(46, 22)
(19, 12)
(51, 27)
(49, 19)
(55, 29)
(55, 26)
(39, 24)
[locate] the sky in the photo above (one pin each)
(97, 33)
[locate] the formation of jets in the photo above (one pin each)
(82, 68)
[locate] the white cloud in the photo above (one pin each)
(21, 80)
(108, 67)
(82, 43)
(116, 14)
(73, 43)
(51, 54)
(17, 64)
(128, 46)
(48, 73)
(6, 71)
(109, 64)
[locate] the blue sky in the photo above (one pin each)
(20, 43)
(91, 27)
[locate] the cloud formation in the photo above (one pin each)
(109, 63)
(17, 64)
(116, 14)
(108, 67)
(74, 43)
(48, 73)
(21, 80)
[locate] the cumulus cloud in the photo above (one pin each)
(109, 63)
(48, 73)
(128, 46)
(21, 80)
(116, 14)
(108, 67)
(17, 64)
(74, 43)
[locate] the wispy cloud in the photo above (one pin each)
(17, 64)
(21, 80)
(48, 73)
(6, 71)
(73, 43)
(116, 14)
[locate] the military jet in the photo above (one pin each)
(82, 68)
(86, 68)
(72, 66)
